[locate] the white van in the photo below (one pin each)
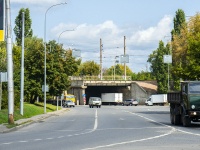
(95, 101)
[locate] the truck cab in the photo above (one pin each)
(185, 105)
(148, 102)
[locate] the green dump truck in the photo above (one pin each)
(185, 104)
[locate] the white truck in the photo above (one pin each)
(112, 98)
(158, 99)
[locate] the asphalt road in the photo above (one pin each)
(108, 127)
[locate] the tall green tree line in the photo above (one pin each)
(159, 69)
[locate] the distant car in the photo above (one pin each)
(68, 103)
(130, 102)
(95, 101)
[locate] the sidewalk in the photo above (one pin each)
(24, 122)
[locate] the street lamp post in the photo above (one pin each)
(62, 33)
(45, 53)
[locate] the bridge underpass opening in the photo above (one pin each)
(95, 91)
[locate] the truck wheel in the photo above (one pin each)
(171, 117)
(177, 119)
(186, 121)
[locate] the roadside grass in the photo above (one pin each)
(29, 111)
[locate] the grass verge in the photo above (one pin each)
(29, 111)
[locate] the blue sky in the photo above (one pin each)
(143, 22)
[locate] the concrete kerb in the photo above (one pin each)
(25, 122)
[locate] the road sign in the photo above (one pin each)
(3, 77)
(76, 53)
(124, 58)
(167, 59)
(47, 88)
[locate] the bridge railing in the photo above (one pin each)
(105, 78)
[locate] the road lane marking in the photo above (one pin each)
(139, 140)
(121, 119)
(188, 132)
(49, 138)
(96, 121)
(87, 132)
(128, 142)
(37, 139)
(23, 141)
(60, 137)
(7, 143)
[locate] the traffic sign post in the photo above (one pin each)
(84, 99)
(167, 59)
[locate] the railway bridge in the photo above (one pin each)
(85, 87)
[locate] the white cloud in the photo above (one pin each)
(87, 38)
(89, 31)
(89, 35)
(153, 34)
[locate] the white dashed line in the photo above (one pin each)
(23, 141)
(6, 143)
(60, 137)
(49, 138)
(37, 139)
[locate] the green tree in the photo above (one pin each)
(193, 53)
(142, 76)
(186, 52)
(34, 69)
(28, 32)
(89, 68)
(59, 66)
(3, 68)
(178, 47)
(3, 59)
(158, 68)
(179, 22)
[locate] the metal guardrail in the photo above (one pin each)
(97, 78)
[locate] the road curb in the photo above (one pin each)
(25, 122)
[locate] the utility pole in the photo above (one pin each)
(9, 65)
(101, 74)
(22, 71)
(124, 55)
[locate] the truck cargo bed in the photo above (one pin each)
(174, 97)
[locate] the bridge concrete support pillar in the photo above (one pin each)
(79, 93)
(137, 92)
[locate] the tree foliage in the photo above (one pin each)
(3, 61)
(179, 47)
(59, 66)
(158, 68)
(186, 50)
(28, 32)
(179, 22)
(119, 70)
(142, 76)
(89, 68)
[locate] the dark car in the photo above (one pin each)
(130, 102)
